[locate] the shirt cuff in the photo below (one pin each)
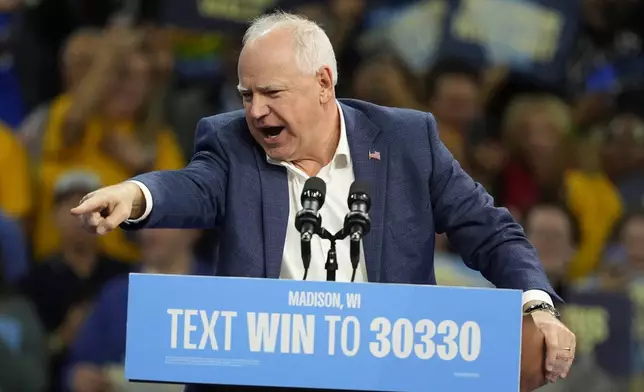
(148, 202)
(537, 295)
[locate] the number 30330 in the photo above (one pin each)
(424, 339)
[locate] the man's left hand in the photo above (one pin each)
(560, 345)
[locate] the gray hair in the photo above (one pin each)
(313, 49)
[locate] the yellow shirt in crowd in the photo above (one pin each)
(87, 155)
(15, 179)
(596, 203)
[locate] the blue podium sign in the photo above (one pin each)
(330, 335)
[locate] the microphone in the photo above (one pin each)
(308, 220)
(357, 222)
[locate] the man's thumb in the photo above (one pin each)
(117, 216)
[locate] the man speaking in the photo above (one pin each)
(250, 166)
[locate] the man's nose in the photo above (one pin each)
(258, 108)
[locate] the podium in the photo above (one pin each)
(322, 335)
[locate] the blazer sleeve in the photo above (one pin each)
(192, 197)
(487, 237)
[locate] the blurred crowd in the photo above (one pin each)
(94, 92)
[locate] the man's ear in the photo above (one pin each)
(325, 81)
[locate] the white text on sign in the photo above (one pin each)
(296, 333)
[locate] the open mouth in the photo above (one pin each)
(272, 132)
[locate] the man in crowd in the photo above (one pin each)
(63, 287)
(97, 354)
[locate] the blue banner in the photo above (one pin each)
(269, 332)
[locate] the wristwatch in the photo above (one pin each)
(545, 307)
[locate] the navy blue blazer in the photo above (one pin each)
(418, 189)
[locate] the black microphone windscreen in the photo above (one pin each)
(359, 191)
(313, 186)
(360, 187)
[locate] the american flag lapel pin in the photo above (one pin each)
(374, 155)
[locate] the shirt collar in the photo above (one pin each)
(342, 154)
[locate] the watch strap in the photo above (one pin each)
(543, 306)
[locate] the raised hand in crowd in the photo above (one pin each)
(91, 92)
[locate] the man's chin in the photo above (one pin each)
(278, 153)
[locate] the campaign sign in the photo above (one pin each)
(219, 15)
(530, 36)
(330, 335)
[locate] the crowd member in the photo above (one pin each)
(609, 185)
(621, 141)
(109, 125)
(15, 181)
(76, 59)
(98, 353)
(535, 131)
(64, 286)
(392, 90)
(14, 251)
(23, 353)
(454, 97)
(554, 232)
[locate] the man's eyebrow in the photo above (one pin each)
(265, 88)
(270, 87)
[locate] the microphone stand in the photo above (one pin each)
(331, 264)
(305, 244)
(354, 253)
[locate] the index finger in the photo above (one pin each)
(89, 204)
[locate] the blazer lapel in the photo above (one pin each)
(275, 203)
(369, 160)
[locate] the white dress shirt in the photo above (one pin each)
(338, 175)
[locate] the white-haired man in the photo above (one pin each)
(250, 166)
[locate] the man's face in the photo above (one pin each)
(159, 246)
(69, 226)
(391, 89)
(541, 143)
(456, 101)
(550, 231)
(542, 137)
(633, 240)
(78, 56)
(130, 88)
(283, 105)
(623, 151)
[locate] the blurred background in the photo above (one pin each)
(541, 101)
